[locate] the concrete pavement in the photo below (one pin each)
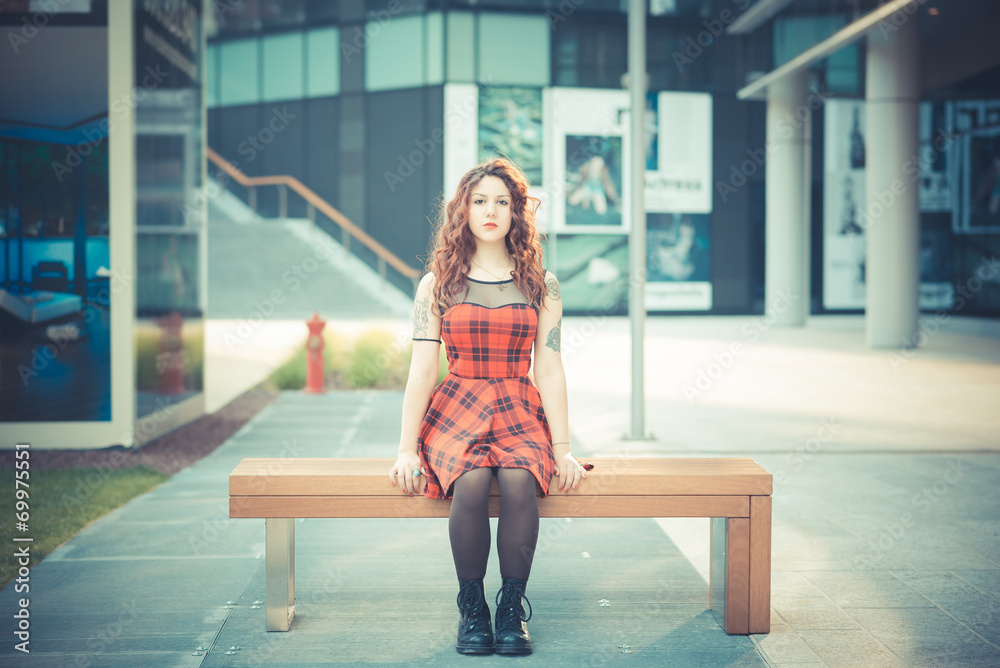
(885, 538)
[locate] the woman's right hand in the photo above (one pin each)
(402, 472)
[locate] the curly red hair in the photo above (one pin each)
(455, 244)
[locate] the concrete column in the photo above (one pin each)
(786, 269)
(892, 270)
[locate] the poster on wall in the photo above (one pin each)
(510, 124)
(587, 161)
(677, 262)
(593, 273)
(680, 179)
(977, 166)
(594, 181)
(844, 206)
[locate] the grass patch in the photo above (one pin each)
(62, 502)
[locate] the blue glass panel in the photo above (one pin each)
(394, 56)
(527, 63)
(323, 64)
(238, 72)
(282, 61)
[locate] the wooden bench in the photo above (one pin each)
(734, 492)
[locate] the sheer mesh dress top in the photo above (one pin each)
(486, 411)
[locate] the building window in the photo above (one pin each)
(238, 72)
(394, 56)
(461, 47)
(323, 62)
(514, 49)
(435, 48)
(282, 62)
(591, 53)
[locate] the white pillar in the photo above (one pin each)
(786, 269)
(892, 270)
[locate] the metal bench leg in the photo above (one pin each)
(729, 595)
(760, 564)
(279, 573)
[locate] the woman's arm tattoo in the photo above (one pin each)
(552, 286)
(552, 340)
(420, 319)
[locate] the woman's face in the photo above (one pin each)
(490, 209)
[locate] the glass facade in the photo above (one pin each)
(507, 52)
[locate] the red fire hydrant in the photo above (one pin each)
(314, 356)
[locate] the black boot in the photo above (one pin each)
(512, 632)
(475, 630)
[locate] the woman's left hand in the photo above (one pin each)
(570, 472)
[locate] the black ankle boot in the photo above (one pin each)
(475, 630)
(512, 632)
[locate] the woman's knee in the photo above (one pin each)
(517, 486)
(473, 486)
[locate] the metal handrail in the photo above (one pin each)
(385, 256)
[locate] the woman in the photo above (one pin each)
(490, 300)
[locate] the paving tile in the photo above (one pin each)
(793, 585)
(784, 645)
(967, 655)
(987, 581)
(850, 649)
(867, 590)
(814, 613)
(902, 626)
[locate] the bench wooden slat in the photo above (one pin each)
(610, 477)
(551, 506)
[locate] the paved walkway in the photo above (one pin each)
(885, 544)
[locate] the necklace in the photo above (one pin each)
(501, 286)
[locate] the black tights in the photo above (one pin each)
(469, 523)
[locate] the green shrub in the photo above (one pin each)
(377, 360)
(291, 375)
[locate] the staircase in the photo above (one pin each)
(288, 269)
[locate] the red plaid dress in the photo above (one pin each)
(486, 411)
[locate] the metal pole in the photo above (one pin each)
(637, 235)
